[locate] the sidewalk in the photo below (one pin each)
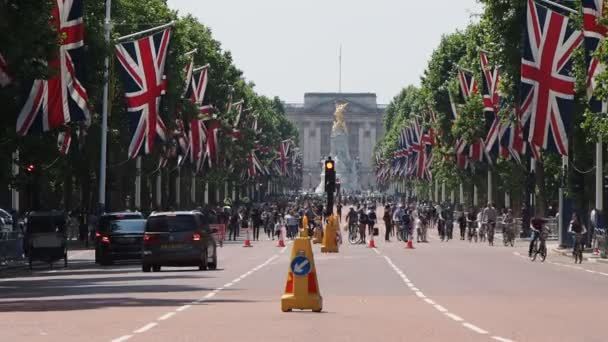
(587, 254)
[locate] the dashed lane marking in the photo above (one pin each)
(145, 328)
(440, 308)
(474, 328)
(574, 267)
(197, 301)
(501, 339)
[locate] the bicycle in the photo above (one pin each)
(577, 251)
(353, 234)
(490, 232)
(540, 246)
(508, 237)
(472, 234)
(402, 233)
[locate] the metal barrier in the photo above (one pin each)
(11, 246)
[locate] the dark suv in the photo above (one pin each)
(119, 237)
(178, 239)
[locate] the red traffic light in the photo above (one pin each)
(30, 168)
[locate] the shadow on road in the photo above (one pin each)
(77, 304)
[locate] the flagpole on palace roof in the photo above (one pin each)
(104, 114)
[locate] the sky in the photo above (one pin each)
(289, 47)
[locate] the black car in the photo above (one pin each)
(178, 239)
(119, 237)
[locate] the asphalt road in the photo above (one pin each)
(455, 291)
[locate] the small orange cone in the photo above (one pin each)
(281, 243)
(410, 244)
(247, 241)
(596, 251)
(281, 237)
(372, 244)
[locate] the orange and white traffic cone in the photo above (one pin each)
(410, 244)
(248, 240)
(372, 244)
(281, 237)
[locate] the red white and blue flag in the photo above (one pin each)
(142, 68)
(595, 32)
(198, 86)
(5, 78)
(284, 151)
(197, 137)
(545, 76)
(61, 99)
(491, 101)
(64, 141)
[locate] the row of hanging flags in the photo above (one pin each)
(51, 105)
(540, 121)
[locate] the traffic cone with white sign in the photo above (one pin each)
(302, 286)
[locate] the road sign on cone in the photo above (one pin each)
(302, 286)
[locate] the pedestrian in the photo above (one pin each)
(233, 225)
(339, 210)
(371, 220)
(256, 221)
(362, 225)
(292, 225)
(388, 224)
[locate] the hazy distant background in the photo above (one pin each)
(290, 47)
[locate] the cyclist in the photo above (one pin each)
(579, 230)
(489, 220)
(351, 219)
(536, 225)
(363, 220)
(472, 223)
(508, 225)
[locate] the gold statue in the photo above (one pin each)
(339, 122)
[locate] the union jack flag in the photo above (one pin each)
(284, 151)
(142, 69)
(5, 78)
(545, 75)
(468, 84)
(595, 32)
(188, 71)
(61, 99)
(197, 143)
(198, 87)
(491, 100)
(64, 141)
(212, 146)
(255, 165)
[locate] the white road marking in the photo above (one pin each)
(440, 308)
(501, 339)
(183, 307)
(187, 306)
(376, 251)
(146, 328)
(454, 317)
(166, 316)
(474, 328)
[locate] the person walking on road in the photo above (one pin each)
(388, 224)
(292, 225)
(363, 219)
(339, 210)
(462, 225)
(233, 226)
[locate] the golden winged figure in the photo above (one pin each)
(339, 122)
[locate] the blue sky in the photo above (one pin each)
(291, 47)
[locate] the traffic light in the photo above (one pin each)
(330, 176)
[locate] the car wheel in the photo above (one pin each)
(203, 263)
(156, 268)
(213, 265)
(106, 261)
(146, 268)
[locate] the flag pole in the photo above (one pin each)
(201, 68)
(560, 6)
(104, 114)
(157, 28)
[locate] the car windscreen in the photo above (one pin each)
(177, 223)
(128, 226)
